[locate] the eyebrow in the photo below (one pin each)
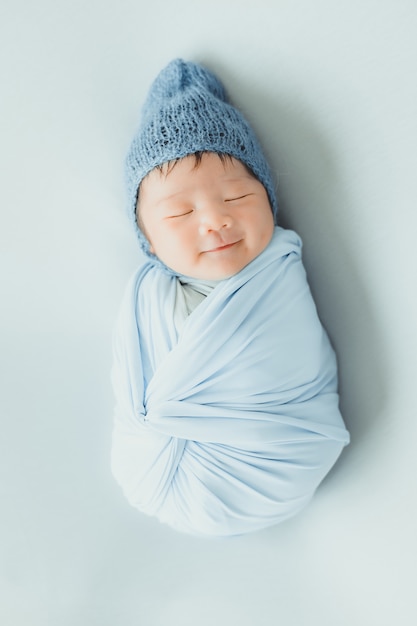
(170, 197)
(182, 192)
(239, 178)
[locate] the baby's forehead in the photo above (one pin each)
(211, 163)
(206, 170)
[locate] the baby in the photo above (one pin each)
(227, 414)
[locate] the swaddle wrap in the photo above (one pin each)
(230, 425)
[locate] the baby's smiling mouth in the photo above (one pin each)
(225, 246)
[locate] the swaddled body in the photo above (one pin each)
(231, 425)
(227, 418)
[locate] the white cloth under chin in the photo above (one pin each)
(189, 294)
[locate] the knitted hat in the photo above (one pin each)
(187, 111)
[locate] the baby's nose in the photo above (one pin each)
(213, 217)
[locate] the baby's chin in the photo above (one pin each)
(215, 275)
(212, 274)
(218, 272)
(207, 275)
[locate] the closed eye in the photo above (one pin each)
(180, 214)
(238, 197)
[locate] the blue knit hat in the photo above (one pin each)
(187, 111)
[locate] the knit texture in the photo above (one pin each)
(187, 111)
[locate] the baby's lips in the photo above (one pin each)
(224, 246)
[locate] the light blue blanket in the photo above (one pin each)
(231, 426)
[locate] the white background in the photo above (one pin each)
(330, 87)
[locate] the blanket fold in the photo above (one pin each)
(230, 425)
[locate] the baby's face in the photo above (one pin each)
(206, 222)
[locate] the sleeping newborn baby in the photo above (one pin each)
(227, 414)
